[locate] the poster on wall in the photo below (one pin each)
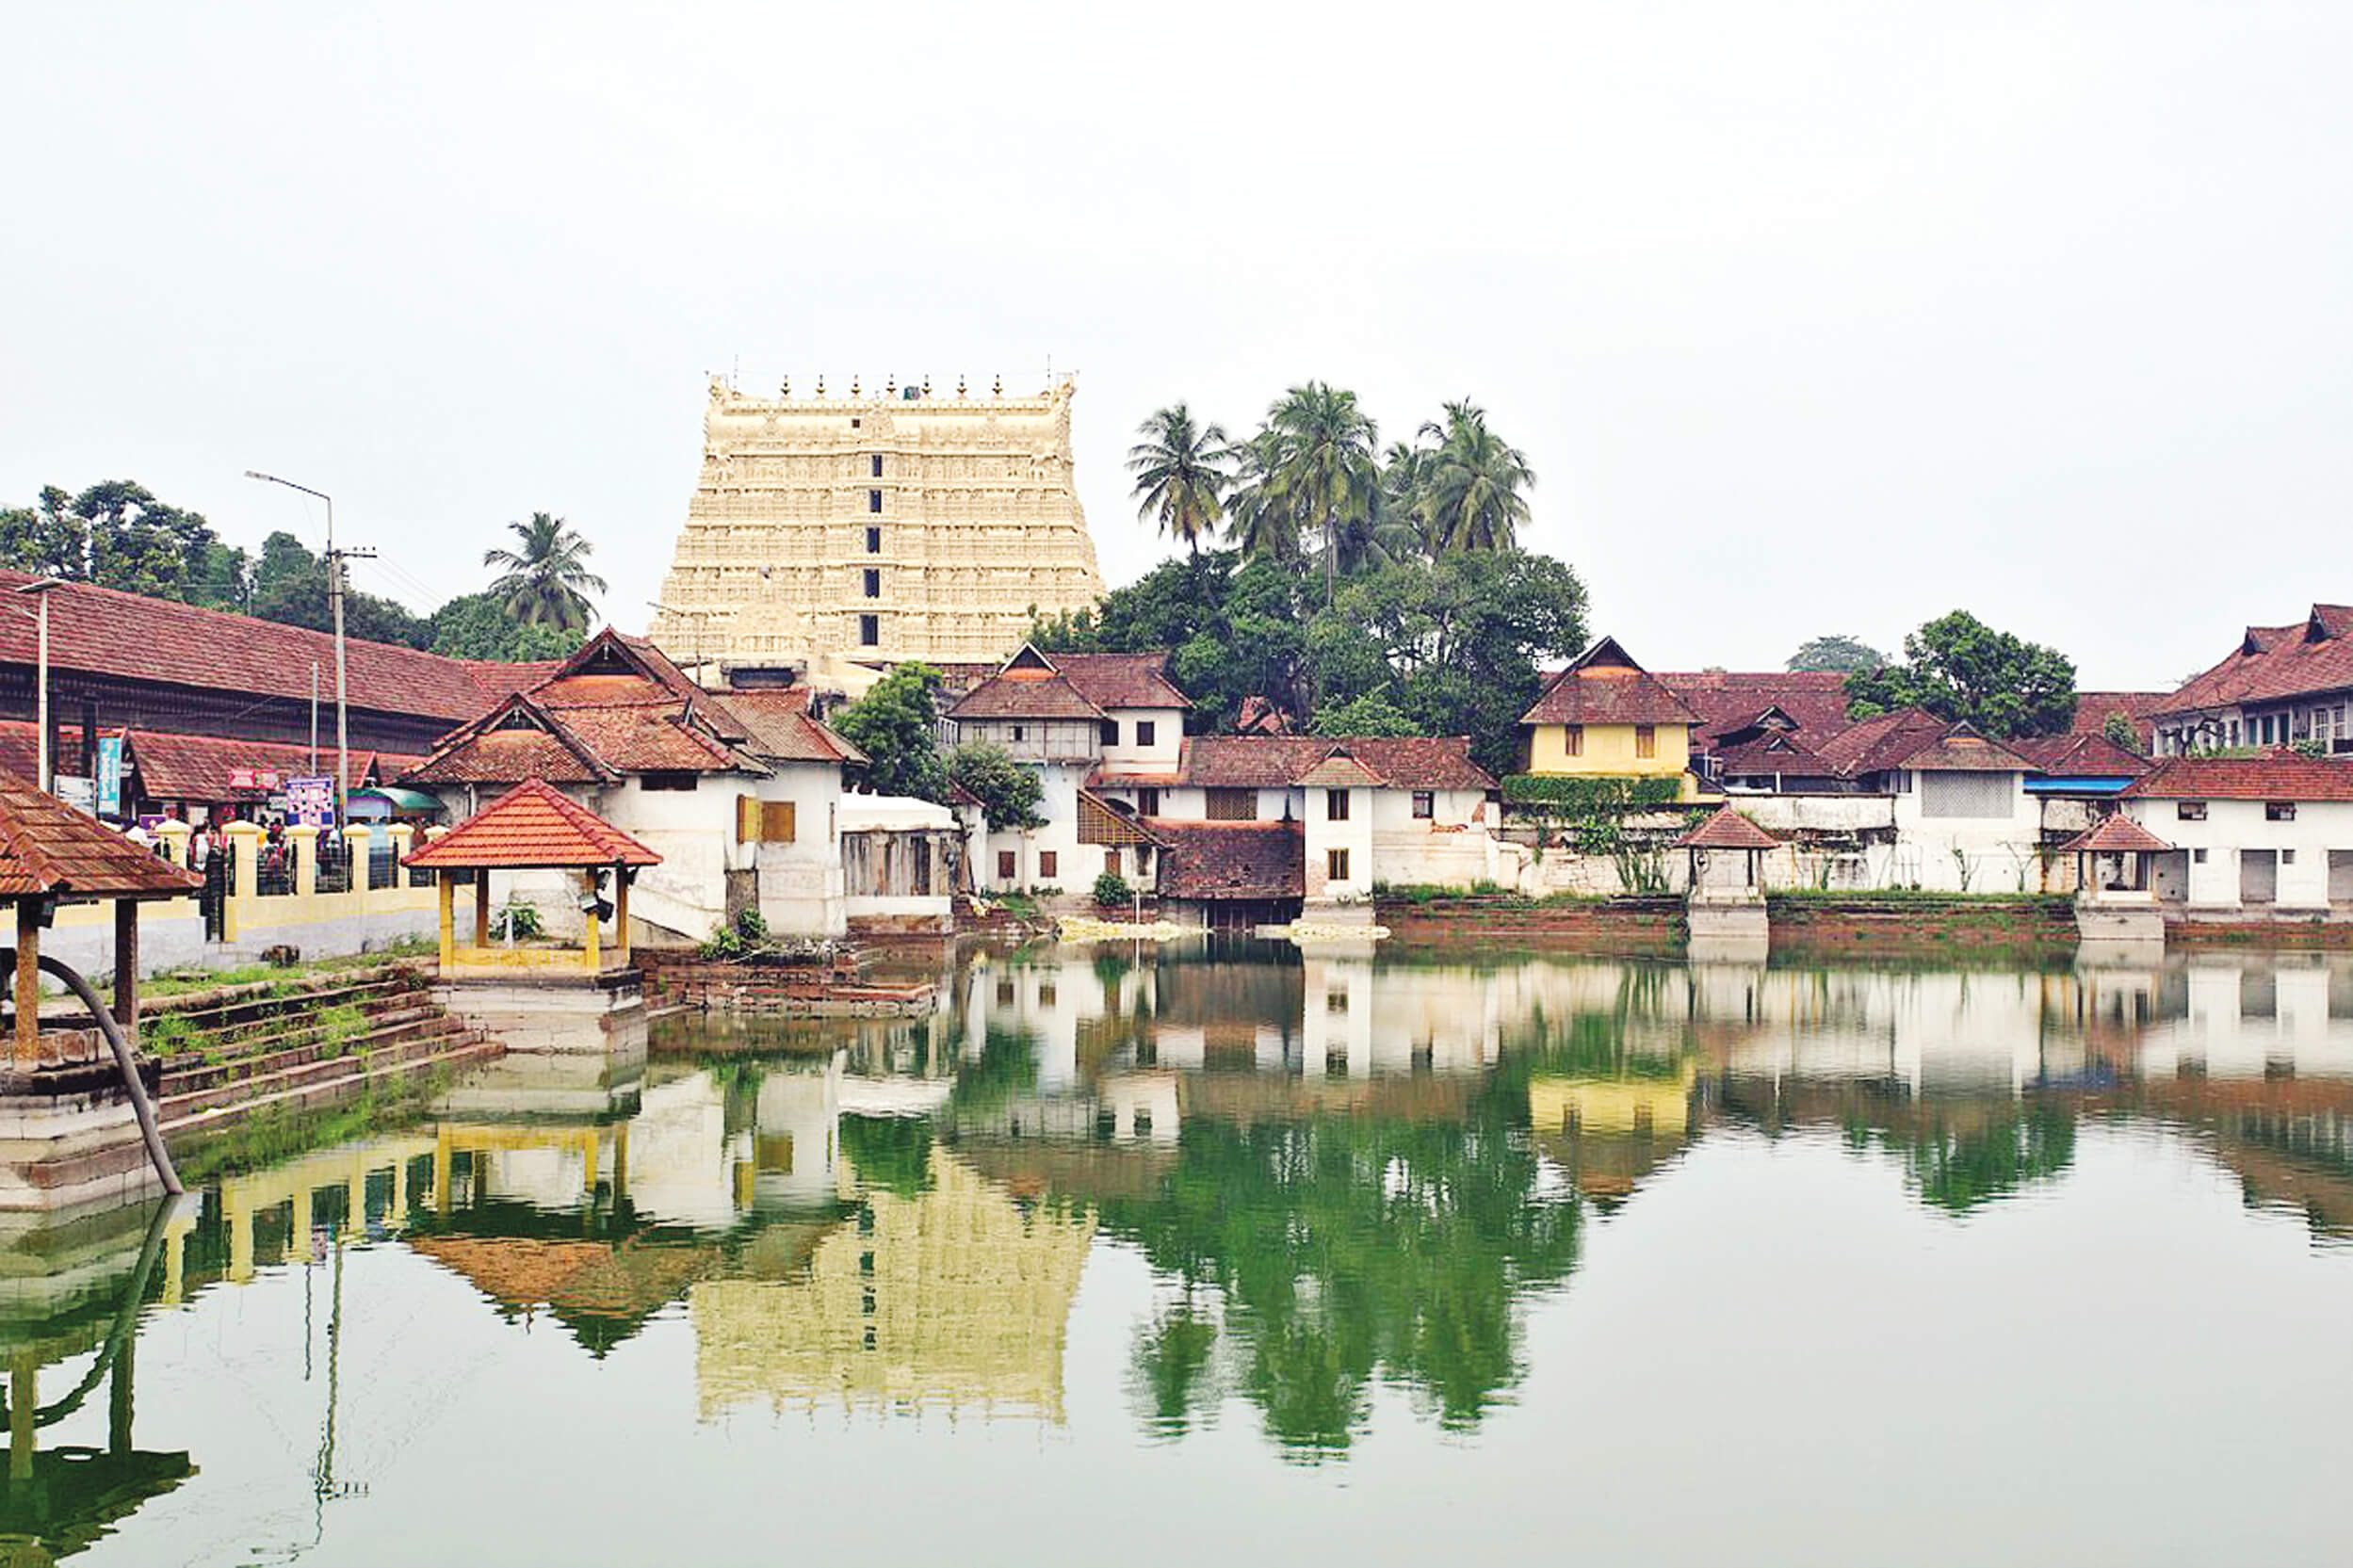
(110, 775)
(81, 794)
(311, 803)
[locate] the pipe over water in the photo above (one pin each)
(103, 1016)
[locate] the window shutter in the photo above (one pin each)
(778, 822)
(747, 819)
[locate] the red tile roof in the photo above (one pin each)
(1727, 828)
(2276, 663)
(2272, 776)
(2084, 754)
(532, 826)
(1232, 860)
(1606, 686)
(1914, 737)
(2092, 709)
(131, 637)
(1729, 701)
(1032, 684)
(779, 727)
(47, 849)
(2116, 835)
(189, 767)
(1280, 762)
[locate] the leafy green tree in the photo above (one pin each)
(1323, 463)
(1009, 793)
(115, 534)
(1958, 667)
(477, 626)
(1847, 655)
(545, 582)
(2120, 730)
(1371, 714)
(1180, 475)
(290, 588)
(1235, 622)
(897, 725)
(1472, 484)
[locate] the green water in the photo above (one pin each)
(1275, 1259)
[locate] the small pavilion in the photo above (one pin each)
(1727, 831)
(2123, 841)
(52, 854)
(533, 827)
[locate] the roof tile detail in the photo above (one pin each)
(2272, 776)
(1727, 828)
(48, 850)
(1232, 860)
(1606, 686)
(532, 826)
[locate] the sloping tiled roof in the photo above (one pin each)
(1232, 860)
(131, 637)
(47, 849)
(2276, 663)
(1606, 686)
(1279, 761)
(482, 754)
(1032, 684)
(533, 825)
(1914, 737)
(2092, 709)
(1727, 828)
(1728, 701)
(1122, 680)
(1774, 752)
(778, 727)
(1025, 696)
(2080, 754)
(2272, 776)
(2114, 835)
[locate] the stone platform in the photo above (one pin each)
(69, 1136)
(545, 1013)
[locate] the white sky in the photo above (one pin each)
(1810, 318)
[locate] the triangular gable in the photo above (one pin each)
(447, 761)
(1338, 769)
(1027, 664)
(1606, 654)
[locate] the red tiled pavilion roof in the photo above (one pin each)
(532, 826)
(2116, 835)
(48, 850)
(1728, 830)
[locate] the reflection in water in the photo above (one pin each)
(1337, 1179)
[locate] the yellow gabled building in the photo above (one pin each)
(1606, 717)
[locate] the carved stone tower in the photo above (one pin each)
(826, 532)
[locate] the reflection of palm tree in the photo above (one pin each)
(1179, 479)
(546, 582)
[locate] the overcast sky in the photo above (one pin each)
(1810, 318)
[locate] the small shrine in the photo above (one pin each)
(2113, 901)
(1725, 894)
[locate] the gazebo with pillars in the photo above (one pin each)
(52, 854)
(2123, 841)
(1727, 831)
(533, 827)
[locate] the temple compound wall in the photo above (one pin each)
(826, 532)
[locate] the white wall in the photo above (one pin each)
(2231, 827)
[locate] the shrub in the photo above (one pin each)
(521, 921)
(1113, 891)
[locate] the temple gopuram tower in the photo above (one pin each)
(827, 533)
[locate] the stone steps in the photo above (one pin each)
(193, 1070)
(475, 1049)
(389, 1047)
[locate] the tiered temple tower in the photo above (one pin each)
(831, 531)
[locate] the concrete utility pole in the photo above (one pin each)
(334, 605)
(41, 780)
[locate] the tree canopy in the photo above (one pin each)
(897, 725)
(1180, 475)
(1847, 655)
(546, 580)
(1008, 792)
(1958, 667)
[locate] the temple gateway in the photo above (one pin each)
(829, 536)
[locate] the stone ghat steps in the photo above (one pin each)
(416, 1032)
(469, 1049)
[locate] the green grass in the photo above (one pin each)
(340, 1026)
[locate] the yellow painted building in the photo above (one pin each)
(1606, 717)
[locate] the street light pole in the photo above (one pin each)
(334, 605)
(40, 591)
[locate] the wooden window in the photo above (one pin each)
(1111, 863)
(874, 541)
(1573, 740)
(747, 819)
(2189, 811)
(1425, 804)
(1111, 731)
(1005, 866)
(1148, 802)
(869, 630)
(1336, 865)
(1048, 862)
(1232, 805)
(1336, 805)
(667, 780)
(1145, 729)
(1646, 741)
(2279, 811)
(874, 582)
(759, 821)
(874, 500)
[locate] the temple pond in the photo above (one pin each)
(1331, 1257)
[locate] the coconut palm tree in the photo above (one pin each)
(1179, 475)
(1473, 483)
(1326, 464)
(1259, 510)
(546, 582)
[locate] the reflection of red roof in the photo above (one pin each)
(47, 848)
(2272, 776)
(1728, 830)
(1232, 860)
(532, 825)
(1606, 686)
(2115, 835)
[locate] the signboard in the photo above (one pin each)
(110, 775)
(311, 803)
(78, 793)
(254, 778)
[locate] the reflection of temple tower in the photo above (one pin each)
(951, 1296)
(887, 527)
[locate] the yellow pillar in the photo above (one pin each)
(587, 921)
(358, 844)
(481, 906)
(245, 866)
(305, 842)
(174, 836)
(27, 984)
(621, 913)
(448, 923)
(403, 839)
